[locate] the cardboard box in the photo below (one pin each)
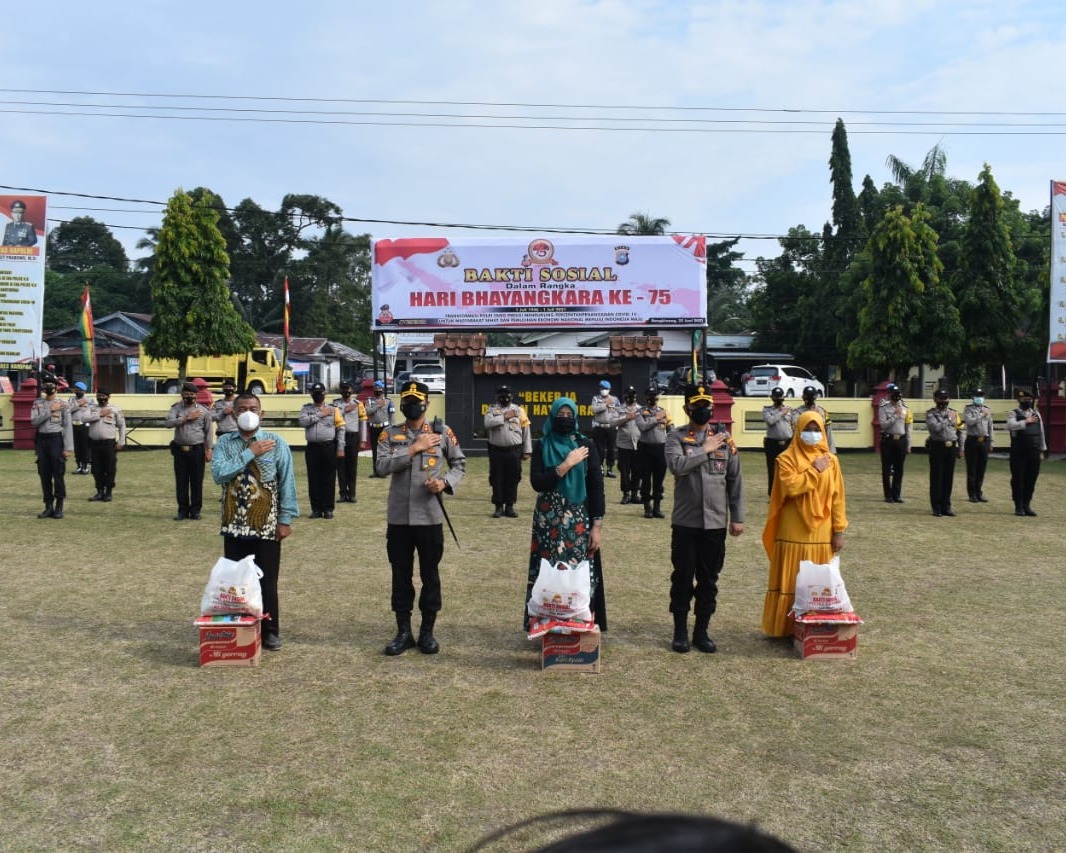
(231, 640)
(826, 640)
(571, 652)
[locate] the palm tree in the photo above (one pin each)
(643, 223)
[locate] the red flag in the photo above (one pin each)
(287, 309)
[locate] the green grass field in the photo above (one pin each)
(944, 734)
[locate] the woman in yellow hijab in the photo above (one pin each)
(806, 519)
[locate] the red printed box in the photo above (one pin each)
(826, 641)
(571, 652)
(229, 640)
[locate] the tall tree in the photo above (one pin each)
(331, 287)
(849, 231)
(784, 282)
(727, 289)
(83, 243)
(192, 311)
(644, 223)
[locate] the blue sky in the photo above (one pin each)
(900, 74)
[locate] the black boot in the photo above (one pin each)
(1017, 509)
(107, 495)
(58, 511)
(656, 512)
(499, 511)
(634, 498)
(1028, 510)
(625, 498)
(403, 639)
(610, 472)
(427, 643)
(47, 512)
(99, 496)
(647, 510)
(699, 636)
(680, 643)
(509, 511)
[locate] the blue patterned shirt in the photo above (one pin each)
(232, 457)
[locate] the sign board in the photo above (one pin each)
(1057, 300)
(21, 280)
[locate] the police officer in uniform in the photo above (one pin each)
(424, 460)
(945, 446)
(979, 438)
(653, 423)
(324, 432)
(895, 420)
(778, 418)
(355, 432)
(79, 413)
(55, 444)
(17, 232)
(1028, 445)
(107, 435)
(605, 408)
(510, 442)
(627, 438)
(810, 404)
(708, 498)
(191, 449)
(222, 410)
(379, 412)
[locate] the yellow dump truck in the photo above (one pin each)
(255, 371)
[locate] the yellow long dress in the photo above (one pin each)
(806, 508)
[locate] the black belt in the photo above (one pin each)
(187, 447)
(780, 442)
(894, 437)
(980, 439)
(601, 426)
(322, 443)
(942, 443)
(49, 435)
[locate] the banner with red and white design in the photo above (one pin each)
(21, 280)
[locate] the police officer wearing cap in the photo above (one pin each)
(1028, 445)
(510, 442)
(324, 433)
(17, 232)
(778, 418)
(424, 460)
(191, 449)
(605, 408)
(708, 500)
(107, 435)
(945, 446)
(653, 423)
(379, 412)
(50, 416)
(222, 415)
(355, 433)
(79, 413)
(627, 439)
(810, 404)
(895, 419)
(979, 438)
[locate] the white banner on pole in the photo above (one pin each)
(21, 280)
(1057, 296)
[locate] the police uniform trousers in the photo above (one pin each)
(652, 470)
(348, 467)
(505, 473)
(697, 556)
(1024, 469)
(773, 447)
(267, 554)
(321, 460)
(105, 464)
(51, 466)
(628, 470)
(82, 448)
(606, 440)
(375, 436)
(893, 455)
(189, 477)
(976, 452)
(402, 542)
(941, 473)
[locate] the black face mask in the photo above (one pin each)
(379, 392)
(1026, 404)
(652, 400)
(79, 393)
(504, 400)
(701, 416)
(188, 400)
(562, 425)
(229, 392)
(412, 411)
(318, 396)
(101, 401)
(809, 400)
(631, 399)
(941, 404)
(895, 398)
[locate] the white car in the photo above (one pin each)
(430, 374)
(763, 378)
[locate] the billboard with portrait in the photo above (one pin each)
(21, 280)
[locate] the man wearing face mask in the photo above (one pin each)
(79, 413)
(379, 411)
(653, 423)
(627, 438)
(354, 435)
(1028, 446)
(979, 436)
(605, 407)
(424, 460)
(895, 420)
(510, 443)
(324, 430)
(778, 418)
(107, 434)
(254, 468)
(55, 444)
(222, 410)
(708, 499)
(945, 445)
(810, 404)
(191, 449)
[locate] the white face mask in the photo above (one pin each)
(809, 437)
(604, 392)
(248, 421)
